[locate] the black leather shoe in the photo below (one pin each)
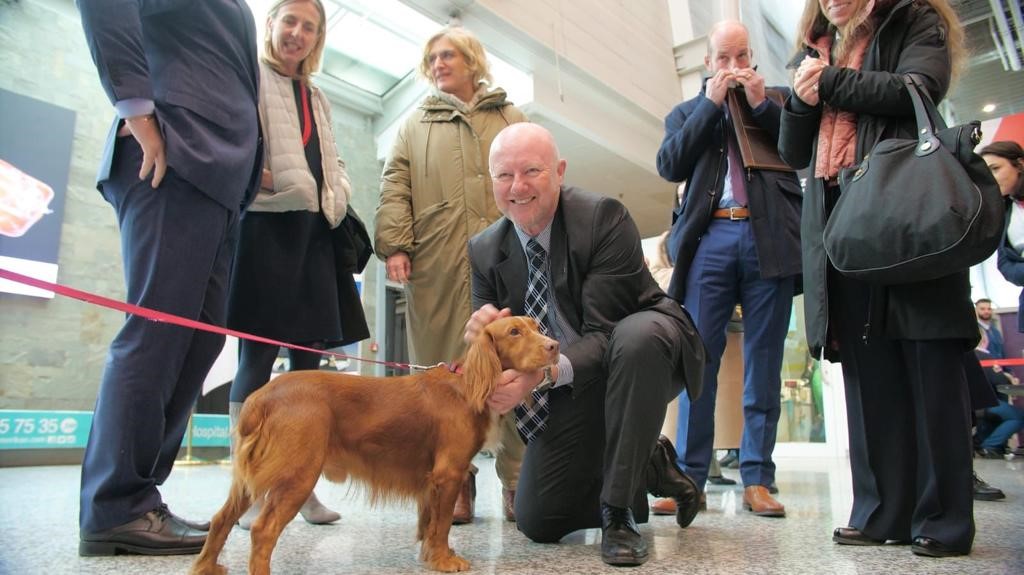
(665, 479)
(985, 492)
(989, 453)
(197, 525)
(621, 543)
(158, 532)
(852, 536)
(720, 480)
(928, 547)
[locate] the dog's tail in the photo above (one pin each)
(249, 451)
(238, 502)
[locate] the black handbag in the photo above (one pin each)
(916, 210)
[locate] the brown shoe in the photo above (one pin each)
(667, 505)
(467, 498)
(758, 501)
(508, 504)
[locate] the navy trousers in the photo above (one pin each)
(177, 245)
(725, 272)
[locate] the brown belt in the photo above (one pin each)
(731, 214)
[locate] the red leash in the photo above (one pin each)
(154, 315)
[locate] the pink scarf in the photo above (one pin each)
(837, 135)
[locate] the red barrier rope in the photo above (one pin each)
(159, 316)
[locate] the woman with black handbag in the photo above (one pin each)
(902, 346)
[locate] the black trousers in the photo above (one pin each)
(177, 246)
(909, 418)
(597, 445)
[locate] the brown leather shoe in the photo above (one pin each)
(467, 498)
(667, 505)
(508, 504)
(758, 501)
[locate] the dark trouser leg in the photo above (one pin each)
(255, 362)
(944, 507)
(711, 294)
(767, 305)
(173, 240)
(879, 415)
(571, 468)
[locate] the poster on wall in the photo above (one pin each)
(35, 161)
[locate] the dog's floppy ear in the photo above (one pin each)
(481, 371)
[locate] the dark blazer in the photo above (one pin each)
(910, 38)
(142, 50)
(599, 274)
(694, 152)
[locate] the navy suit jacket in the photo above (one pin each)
(600, 278)
(694, 151)
(196, 59)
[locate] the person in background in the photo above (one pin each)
(181, 161)
(435, 194)
(735, 239)
(1003, 419)
(989, 325)
(902, 347)
(1006, 161)
(287, 283)
(573, 261)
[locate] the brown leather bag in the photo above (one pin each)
(758, 150)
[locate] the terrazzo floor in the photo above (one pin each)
(39, 509)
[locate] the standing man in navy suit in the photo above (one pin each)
(735, 239)
(181, 161)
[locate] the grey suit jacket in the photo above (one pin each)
(599, 275)
(196, 59)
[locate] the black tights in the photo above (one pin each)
(255, 362)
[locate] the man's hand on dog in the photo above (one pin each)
(515, 386)
(479, 320)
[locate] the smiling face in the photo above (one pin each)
(527, 176)
(449, 70)
(294, 30)
(839, 12)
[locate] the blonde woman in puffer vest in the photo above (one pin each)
(285, 283)
(435, 195)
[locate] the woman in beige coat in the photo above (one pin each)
(435, 195)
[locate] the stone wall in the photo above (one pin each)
(52, 351)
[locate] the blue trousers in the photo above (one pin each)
(1011, 420)
(177, 245)
(725, 272)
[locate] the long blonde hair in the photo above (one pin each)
(311, 64)
(814, 24)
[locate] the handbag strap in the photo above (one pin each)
(927, 115)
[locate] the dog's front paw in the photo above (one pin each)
(208, 568)
(449, 564)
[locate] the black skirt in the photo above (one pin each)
(284, 282)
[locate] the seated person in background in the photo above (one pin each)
(573, 261)
(996, 424)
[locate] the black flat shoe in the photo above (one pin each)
(852, 536)
(197, 525)
(158, 532)
(621, 543)
(666, 479)
(720, 480)
(985, 492)
(928, 547)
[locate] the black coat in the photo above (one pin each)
(1011, 265)
(909, 38)
(694, 152)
